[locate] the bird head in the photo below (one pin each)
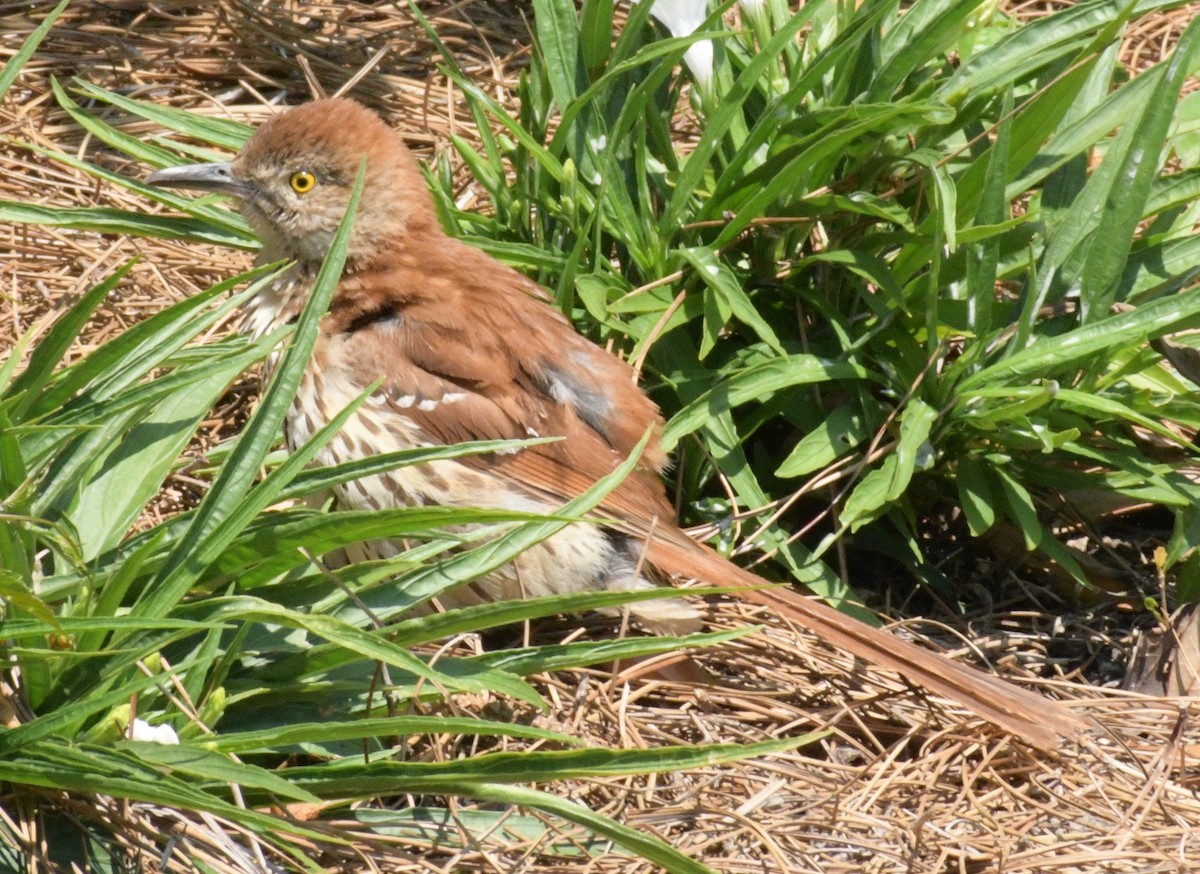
(294, 176)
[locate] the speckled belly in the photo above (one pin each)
(580, 557)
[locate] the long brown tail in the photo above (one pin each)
(1038, 721)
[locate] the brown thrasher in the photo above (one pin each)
(469, 349)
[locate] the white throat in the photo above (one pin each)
(279, 302)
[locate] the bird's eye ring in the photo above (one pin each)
(302, 182)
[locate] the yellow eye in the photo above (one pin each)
(302, 182)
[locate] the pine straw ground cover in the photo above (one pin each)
(901, 783)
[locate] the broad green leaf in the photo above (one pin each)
(1021, 509)
(756, 383)
(595, 40)
(723, 283)
(975, 494)
(134, 470)
(842, 431)
(881, 487)
(1137, 149)
(558, 39)
(983, 257)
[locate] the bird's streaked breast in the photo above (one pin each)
(279, 302)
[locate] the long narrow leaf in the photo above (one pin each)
(226, 498)
(12, 68)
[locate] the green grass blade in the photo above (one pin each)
(451, 674)
(226, 497)
(12, 68)
(320, 479)
(1137, 153)
(315, 734)
(132, 472)
(926, 29)
(555, 657)
(655, 852)
(105, 220)
(129, 357)
(1057, 354)
(1031, 47)
(356, 778)
(50, 350)
(421, 585)
(557, 29)
(221, 132)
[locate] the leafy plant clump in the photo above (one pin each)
(906, 265)
(902, 260)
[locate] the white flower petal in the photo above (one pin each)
(155, 734)
(699, 58)
(683, 18)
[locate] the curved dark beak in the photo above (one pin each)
(202, 177)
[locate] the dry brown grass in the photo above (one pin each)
(901, 784)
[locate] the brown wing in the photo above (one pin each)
(459, 377)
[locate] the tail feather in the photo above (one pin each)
(1038, 721)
